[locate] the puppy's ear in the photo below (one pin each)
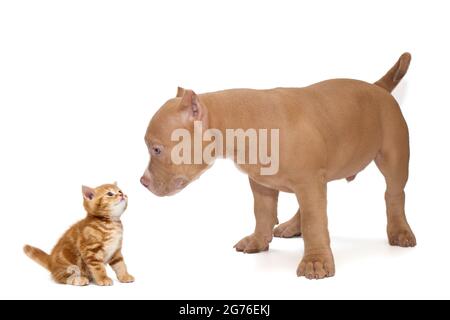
(193, 108)
(180, 92)
(88, 193)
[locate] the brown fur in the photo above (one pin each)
(81, 253)
(330, 130)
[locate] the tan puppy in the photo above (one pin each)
(327, 131)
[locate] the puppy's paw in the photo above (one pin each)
(289, 229)
(78, 281)
(126, 278)
(401, 237)
(105, 282)
(316, 266)
(252, 244)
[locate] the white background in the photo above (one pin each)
(79, 81)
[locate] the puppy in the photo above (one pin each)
(327, 131)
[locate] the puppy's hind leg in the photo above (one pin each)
(393, 162)
(289, 229)
(265, 207)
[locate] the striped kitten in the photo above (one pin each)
(82, 252)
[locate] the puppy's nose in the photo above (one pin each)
(145, 182)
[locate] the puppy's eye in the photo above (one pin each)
(156, 150)
(110, 194)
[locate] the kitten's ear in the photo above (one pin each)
(88, 193)
(180, 92)
(115, 183)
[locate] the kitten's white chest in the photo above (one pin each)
(112, 245)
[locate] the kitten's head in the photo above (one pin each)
(106, 201)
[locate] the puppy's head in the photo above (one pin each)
(162, 176)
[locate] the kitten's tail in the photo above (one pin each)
(38, 256)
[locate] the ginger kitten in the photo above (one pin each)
(82, 252)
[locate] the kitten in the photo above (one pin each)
(82, 252)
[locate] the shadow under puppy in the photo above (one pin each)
(80, 255)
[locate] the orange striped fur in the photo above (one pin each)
(80, 255)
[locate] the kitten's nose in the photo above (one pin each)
(145, 182)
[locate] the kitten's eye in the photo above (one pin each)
(110, 194)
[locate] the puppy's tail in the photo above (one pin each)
(392, 78)
(38, 256)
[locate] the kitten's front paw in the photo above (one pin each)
(105, 282)
(127, 278)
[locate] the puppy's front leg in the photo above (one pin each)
(317, 262)
(265, 208)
